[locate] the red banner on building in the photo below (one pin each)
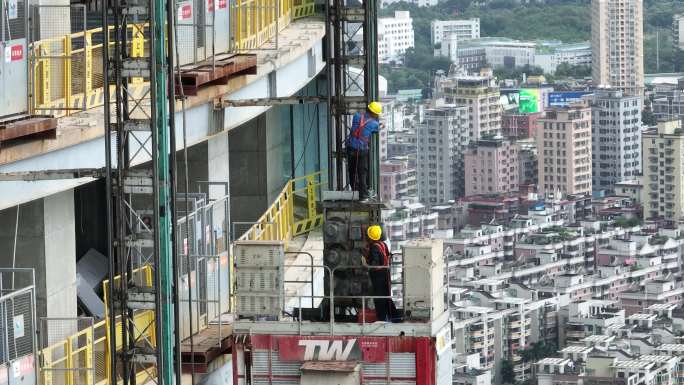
(223, 4)
(210, 5)
(366, 349)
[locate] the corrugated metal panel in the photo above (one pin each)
(374, 382)
(262, 381)
(278, 368)
(403, 383)
(281, 368)
(260, 362)
(374, 370)
(403, 365)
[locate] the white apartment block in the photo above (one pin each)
(395, 36)
(442, 140)
(462, 29)
(616, 138)
(573, 54)
(564, 151)
(678, 31)
(480, 95)
(617, 41)
(504, 52)
(663, 171)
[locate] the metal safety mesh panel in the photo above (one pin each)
(15, 20)
(19, 312)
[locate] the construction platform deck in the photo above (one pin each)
(208, 344)
(216, 72)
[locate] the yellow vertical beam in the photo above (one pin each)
(67, 73)
(69, 364)
(88, 55)
(46, 375)
(45, 76)
(138, 45)
(89, 357)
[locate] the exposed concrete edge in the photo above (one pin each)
(88, 125)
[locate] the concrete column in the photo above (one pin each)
(60, 255)
(218, 163)
(46, 242)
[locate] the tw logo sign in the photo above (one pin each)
(326, 350)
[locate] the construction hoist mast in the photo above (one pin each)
(139, 186)
(352, 76)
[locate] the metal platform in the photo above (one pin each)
(416, 329)
(208, 344)
(27, 126)
(218, 72)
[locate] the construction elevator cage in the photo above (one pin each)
(14, 63)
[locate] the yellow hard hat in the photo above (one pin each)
(375, 107)
(374, 232)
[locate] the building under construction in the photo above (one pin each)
(173, 206)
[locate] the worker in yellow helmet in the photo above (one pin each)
(357, 145)
(378, 255)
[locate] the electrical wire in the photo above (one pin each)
(187, 209)
(306, 141)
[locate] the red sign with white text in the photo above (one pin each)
(185, 12)
(17, 52)
(210, 5)
(223, 4)
(366, 349)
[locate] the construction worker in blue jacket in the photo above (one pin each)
(357, 144)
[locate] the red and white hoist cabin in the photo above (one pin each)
(342, 360)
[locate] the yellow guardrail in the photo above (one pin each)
(83, 358)
(278, 222)
(67, 71)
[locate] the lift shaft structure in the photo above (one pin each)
(139, 211)
(352, 70)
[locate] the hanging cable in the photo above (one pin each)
(14, 248)
(187, 210)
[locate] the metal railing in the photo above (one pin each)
(360, 302)
(65, 362)
(66, 71)
(278, 222)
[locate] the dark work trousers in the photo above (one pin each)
(357, 167)
(380, 280)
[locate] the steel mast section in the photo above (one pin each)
(139, 211)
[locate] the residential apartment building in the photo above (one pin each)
(397, 180)
(564, 151)
(480, 95)
(528, 166)
(442, 138)
(616, 138)
(678, 31)
(419, 3)
(395, 36)
(663, 154)
(516, 125)
(668, 101)
(410, 220)
(550, 57)
(463, 29)
(617, 41)
(491, 167)
(503, 52)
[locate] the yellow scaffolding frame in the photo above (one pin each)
(60, 92)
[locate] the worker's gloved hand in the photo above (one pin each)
(363, 261)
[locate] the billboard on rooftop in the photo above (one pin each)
(529, 101)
